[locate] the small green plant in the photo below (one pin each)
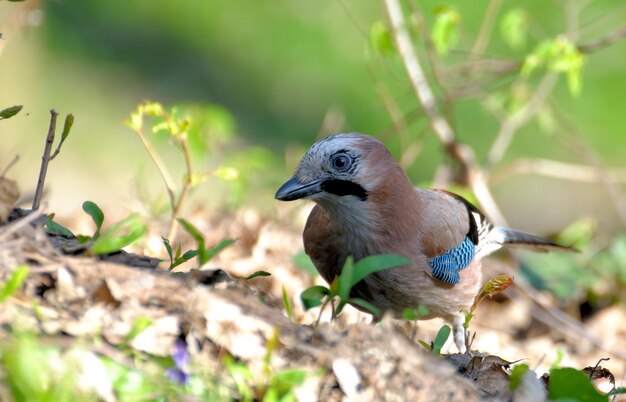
(351, 274)
(204, 254)
(114, 238)
(268, 385)
(440, 339)
(257, 274)
(517, 374)
(492, 288)
(179, 128)
(287, 304)
(572, 385)
(18, 276)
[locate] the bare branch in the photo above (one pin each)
(165, 175)
(558, 170)
(416, 74)
(485, 30)
(45, 159)
(601, 43)
(515, 121)
(460, 152)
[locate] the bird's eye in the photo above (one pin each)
(341, 162)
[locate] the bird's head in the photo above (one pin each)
(338, 170)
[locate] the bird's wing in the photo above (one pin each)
(488, 238)
(453, 228)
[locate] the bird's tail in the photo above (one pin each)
(500, 236)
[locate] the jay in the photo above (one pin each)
(366, 205)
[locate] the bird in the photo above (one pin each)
(366, 205)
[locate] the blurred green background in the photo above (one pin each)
(278, 75)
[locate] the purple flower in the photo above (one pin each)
(181, 359)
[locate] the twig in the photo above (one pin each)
(10, 165)
(575, 142)
(165, 175)
(460, 152)
(486, 28)
(45, 159)
(187, 182)
(601, 43)
(558, 170)
(515, 121)
(416, 74)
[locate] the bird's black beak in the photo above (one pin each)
(294, 190)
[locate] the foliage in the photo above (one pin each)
(597, 273)
(205, 254)
(15, 281)
(568, 384)
(517, 374)
(188, 134)
(9, 112)
(492, 288)
(351, 274)
(114, 238)
(445, 32)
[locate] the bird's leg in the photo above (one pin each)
(458, 332)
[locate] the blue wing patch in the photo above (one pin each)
(447, 266)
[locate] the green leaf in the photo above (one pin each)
(313, 296)
(412, 314)
(516, 376)
(256, 274)
(560, 55)
(376, 263)
(287, 304)
(119, 235)
(188, 255)
(440, 339)
(282, 385)
(10, 112)
(345, 281)
(168, 248)
(380, 38)
(617, 391)
(572, 385)
(425, 344)
(18, 276)
(369, 307)
(67, 126)
(445, 32)
(302, 261)
(193, 231)
(56, 228)
(93, 210)
(140, 325)
(213, 251)
(514, 28)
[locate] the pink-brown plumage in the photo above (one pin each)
(366, 205)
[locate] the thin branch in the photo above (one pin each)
(601, 43)
(460, 152)
(484, 34)
(416, 74)
(575, 142)
(515, 121)
(165, 175)
(45, 159)
(187, 182)
(558, 170)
